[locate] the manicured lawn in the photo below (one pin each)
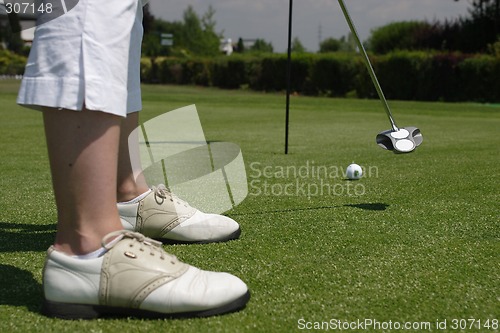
(415, 240)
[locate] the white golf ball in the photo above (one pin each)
(354, 171)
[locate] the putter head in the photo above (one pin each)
(405, 140)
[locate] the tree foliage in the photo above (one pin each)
(9, 34)
(195, 35)
(297, 46)
(483, 25)
(334, 45)
(475, 33)
(398, 36)
(329, 45)
(261, 46)
(485, 9)
(240, 46)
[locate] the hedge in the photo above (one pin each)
(333, 75)
(404, 75)
(480, 79)
(11, 63)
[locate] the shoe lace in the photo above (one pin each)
(145, 243)
(163, 192)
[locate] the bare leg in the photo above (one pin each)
(83, 154)
(202, 228)
(129, 185)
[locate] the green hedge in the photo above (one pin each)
(11, 63)
(231, 72)
(480, 79)
(333, 75)
(403, 75)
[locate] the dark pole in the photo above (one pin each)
(288, 75)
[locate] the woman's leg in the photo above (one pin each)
(169, 220)
(83, 154)
(130, 185)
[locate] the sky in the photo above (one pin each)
(312, 19)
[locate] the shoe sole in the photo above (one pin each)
(86, 312)
(235, 235)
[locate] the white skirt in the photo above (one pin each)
(88, 57)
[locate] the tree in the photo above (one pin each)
(297, 46)
(12, 36)
(483, 26)
(240, 46)
(198, 34)
(2, 35)
(261, 46)
(329, 45)
(212, 38)
(346, 44)
(193, 32)
(485, 8)
(349, 44)
(151, 44)
(398, 36)
(148, 20)
(207, 20)
(194, 35)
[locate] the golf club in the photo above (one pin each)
(398, 140)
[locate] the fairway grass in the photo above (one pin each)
(416, 240)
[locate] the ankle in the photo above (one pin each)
(128, 193)
(74, 239)
(136, 199)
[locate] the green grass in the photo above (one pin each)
(419, 240)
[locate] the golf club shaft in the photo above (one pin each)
(368, 65)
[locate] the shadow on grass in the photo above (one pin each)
(365, 206)
(18, 237)
(283, 210)
(370, 206)
(18, 287)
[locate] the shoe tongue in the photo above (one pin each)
(117, 236)
(113, 238)
(113, 242)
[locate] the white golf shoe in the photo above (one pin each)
(135, 277)
(163, 216)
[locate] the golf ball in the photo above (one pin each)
(354, 171)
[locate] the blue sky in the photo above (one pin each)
(268, 19)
